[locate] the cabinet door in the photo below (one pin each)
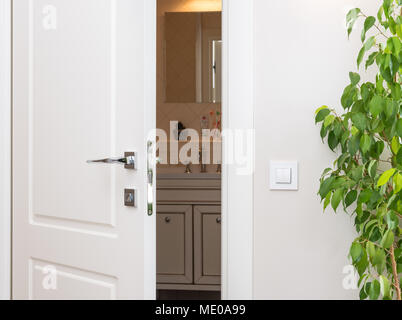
(207, 244)
(174, 244)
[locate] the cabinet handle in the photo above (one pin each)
(218, 220)
(167, 219)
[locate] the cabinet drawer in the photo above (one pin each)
(174, 244)
(207, 245)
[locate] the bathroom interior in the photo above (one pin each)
(189, 68)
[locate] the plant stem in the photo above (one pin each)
(395, 273)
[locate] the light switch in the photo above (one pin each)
(284, 175)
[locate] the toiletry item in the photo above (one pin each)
(218, 120)
(211, 119)
(204, 124)
(178, 130)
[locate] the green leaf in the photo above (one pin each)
(360, 121)
(398, 181)
(385, 287)
(379, 257)
(351, 18)
(370, 248)
(372, 168)
(366, 47)
(336, 199)
(326, 186)
(356, 251)
(321, 115)
(395, 145)
(376, 105)
(365, 196)
(368, 23)
(365, 143)
(399, 157)
(327, 200)
(392, 220)
(350, 198)
(354, 78)
(348, 96)
(329, 120)
(321, 108)
(374, 291)
(399, 128)
(394, 45)
(385, 177)
(387, 239)
(332, 141)
(371, 59)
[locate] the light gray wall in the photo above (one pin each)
(302, 62)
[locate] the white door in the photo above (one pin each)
(83, 88)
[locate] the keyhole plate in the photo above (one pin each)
(130, 198)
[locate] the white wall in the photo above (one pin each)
(302, 62)
(5, 148)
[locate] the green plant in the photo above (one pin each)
(367, 175)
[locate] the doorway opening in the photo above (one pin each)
(189, 122)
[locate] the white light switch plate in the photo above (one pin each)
(284, 175)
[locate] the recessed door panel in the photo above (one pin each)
(72, 105)
(207, 245)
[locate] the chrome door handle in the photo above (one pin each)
(129, 160)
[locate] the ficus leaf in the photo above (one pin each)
(321, 115)
(351, 18)
(326, 187)
(392, 220)
(329, 119)
(356, 251)
(350, 198)
(321, 108)
(385, 287)
(385, 177)
(387, 239)
(354, 78)
(376, 105)
(372, 168)
(360, 121)
(370, 248)
(374, 291)
(368, 23)
(365, 143)
(336, 198)
(395, 145)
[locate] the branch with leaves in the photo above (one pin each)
(367, 136)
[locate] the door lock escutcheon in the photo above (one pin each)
(130, 198)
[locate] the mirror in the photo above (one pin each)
(192, 57)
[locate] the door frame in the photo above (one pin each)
(5, 149)
(237, 190)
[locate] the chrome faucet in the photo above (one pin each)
(188, 169)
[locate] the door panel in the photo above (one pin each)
(207, 244)
(73, 95)
(79, 94)
(174, 244)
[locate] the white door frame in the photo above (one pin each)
(5, 149)
(238, 113)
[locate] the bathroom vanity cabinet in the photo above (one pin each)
(189, 232)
